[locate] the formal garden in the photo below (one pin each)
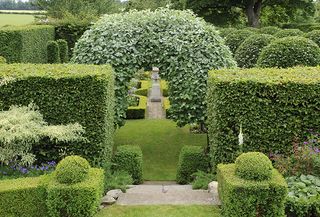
(158, 111)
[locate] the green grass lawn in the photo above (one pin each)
(160, 211)
(15, 19)
(161, 142)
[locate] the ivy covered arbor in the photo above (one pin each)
(182, 45)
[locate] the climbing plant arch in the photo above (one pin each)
(182, 45)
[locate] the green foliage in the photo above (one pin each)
(304, 196)
(117, 180)
(269, 30)
(266, 104)
(290, 52)
(191, 160)
(65, 94)
(2, 60)
(22, 127)
(163, 38)
(250, 198)
(128, 158)
(81, 199)
(23, 197)
(53, 52)
(72, 169)
(25, 44)
(63, 48)
(305, 27)
(223, 32)
(146, 4)
(137, 112)
(142, 92)
(202, 180)
(249, 51)
(253, 166)
(314, 36)
(288, 32)
(234, 39)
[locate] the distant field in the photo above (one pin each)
(21, 12)
(15, 19)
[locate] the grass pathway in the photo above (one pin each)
(15, 19)
(160, 211)
(161, 142)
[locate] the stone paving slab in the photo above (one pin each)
(166, 195)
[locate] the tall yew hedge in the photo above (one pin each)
(272, 106)
(66, 94)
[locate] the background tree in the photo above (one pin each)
(252, 9)
(147, 4)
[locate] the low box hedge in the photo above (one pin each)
(191, 160)
(23, 197)
(138, 112)
(66, 94)
(128, 158)
(76, 200)
(272, 106)
(25, 44)
(250, 198)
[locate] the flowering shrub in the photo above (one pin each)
(17, 171)
(305, 158)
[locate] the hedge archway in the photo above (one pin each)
(182, 45)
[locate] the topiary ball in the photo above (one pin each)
(254, 166)
(72, 169)
(234, 39)
(249, 51)
(270, 30)
(288, 32)
(314, 36)
(223, 32)
(289, 52)
(2, 60)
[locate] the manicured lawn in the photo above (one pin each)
(15, 19)
(160, 211)
(161, 142)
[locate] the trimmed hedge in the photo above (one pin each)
(128, 158)
(290, 52)
(66, 94)
(266, 104)
(53, 52)
(226, 31)
(269, 30)
(305, 27)
(63, 50)
(240, 197)
(25, 44)
(23, 197)
(314, 36)
(164, 88)
(288, 32)
(3, 60)
(191, 160)
(76, 200)
(249, 51)
(138, 112)
(234, 39)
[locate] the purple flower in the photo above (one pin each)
(305, 143)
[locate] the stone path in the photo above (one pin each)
(171, 194)
(154, 104)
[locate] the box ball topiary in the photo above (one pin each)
(314, 36)
(254, 166)
(3, 60)
(234, 39)
(270, 30)
(288, 32)
(223, 32)
(289, 52)
(72, 169)
(249, 51)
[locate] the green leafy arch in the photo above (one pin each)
(182, 45)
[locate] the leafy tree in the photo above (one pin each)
(252, 9)
(146, 4)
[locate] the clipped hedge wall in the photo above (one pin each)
(138, 112)
(23, 197)
(53, 52)
(63, 50)
(240, 197)
(66, 94)
(191, 160)
(76, 200)
(266, 104)
(25, 44)
(128, 158)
